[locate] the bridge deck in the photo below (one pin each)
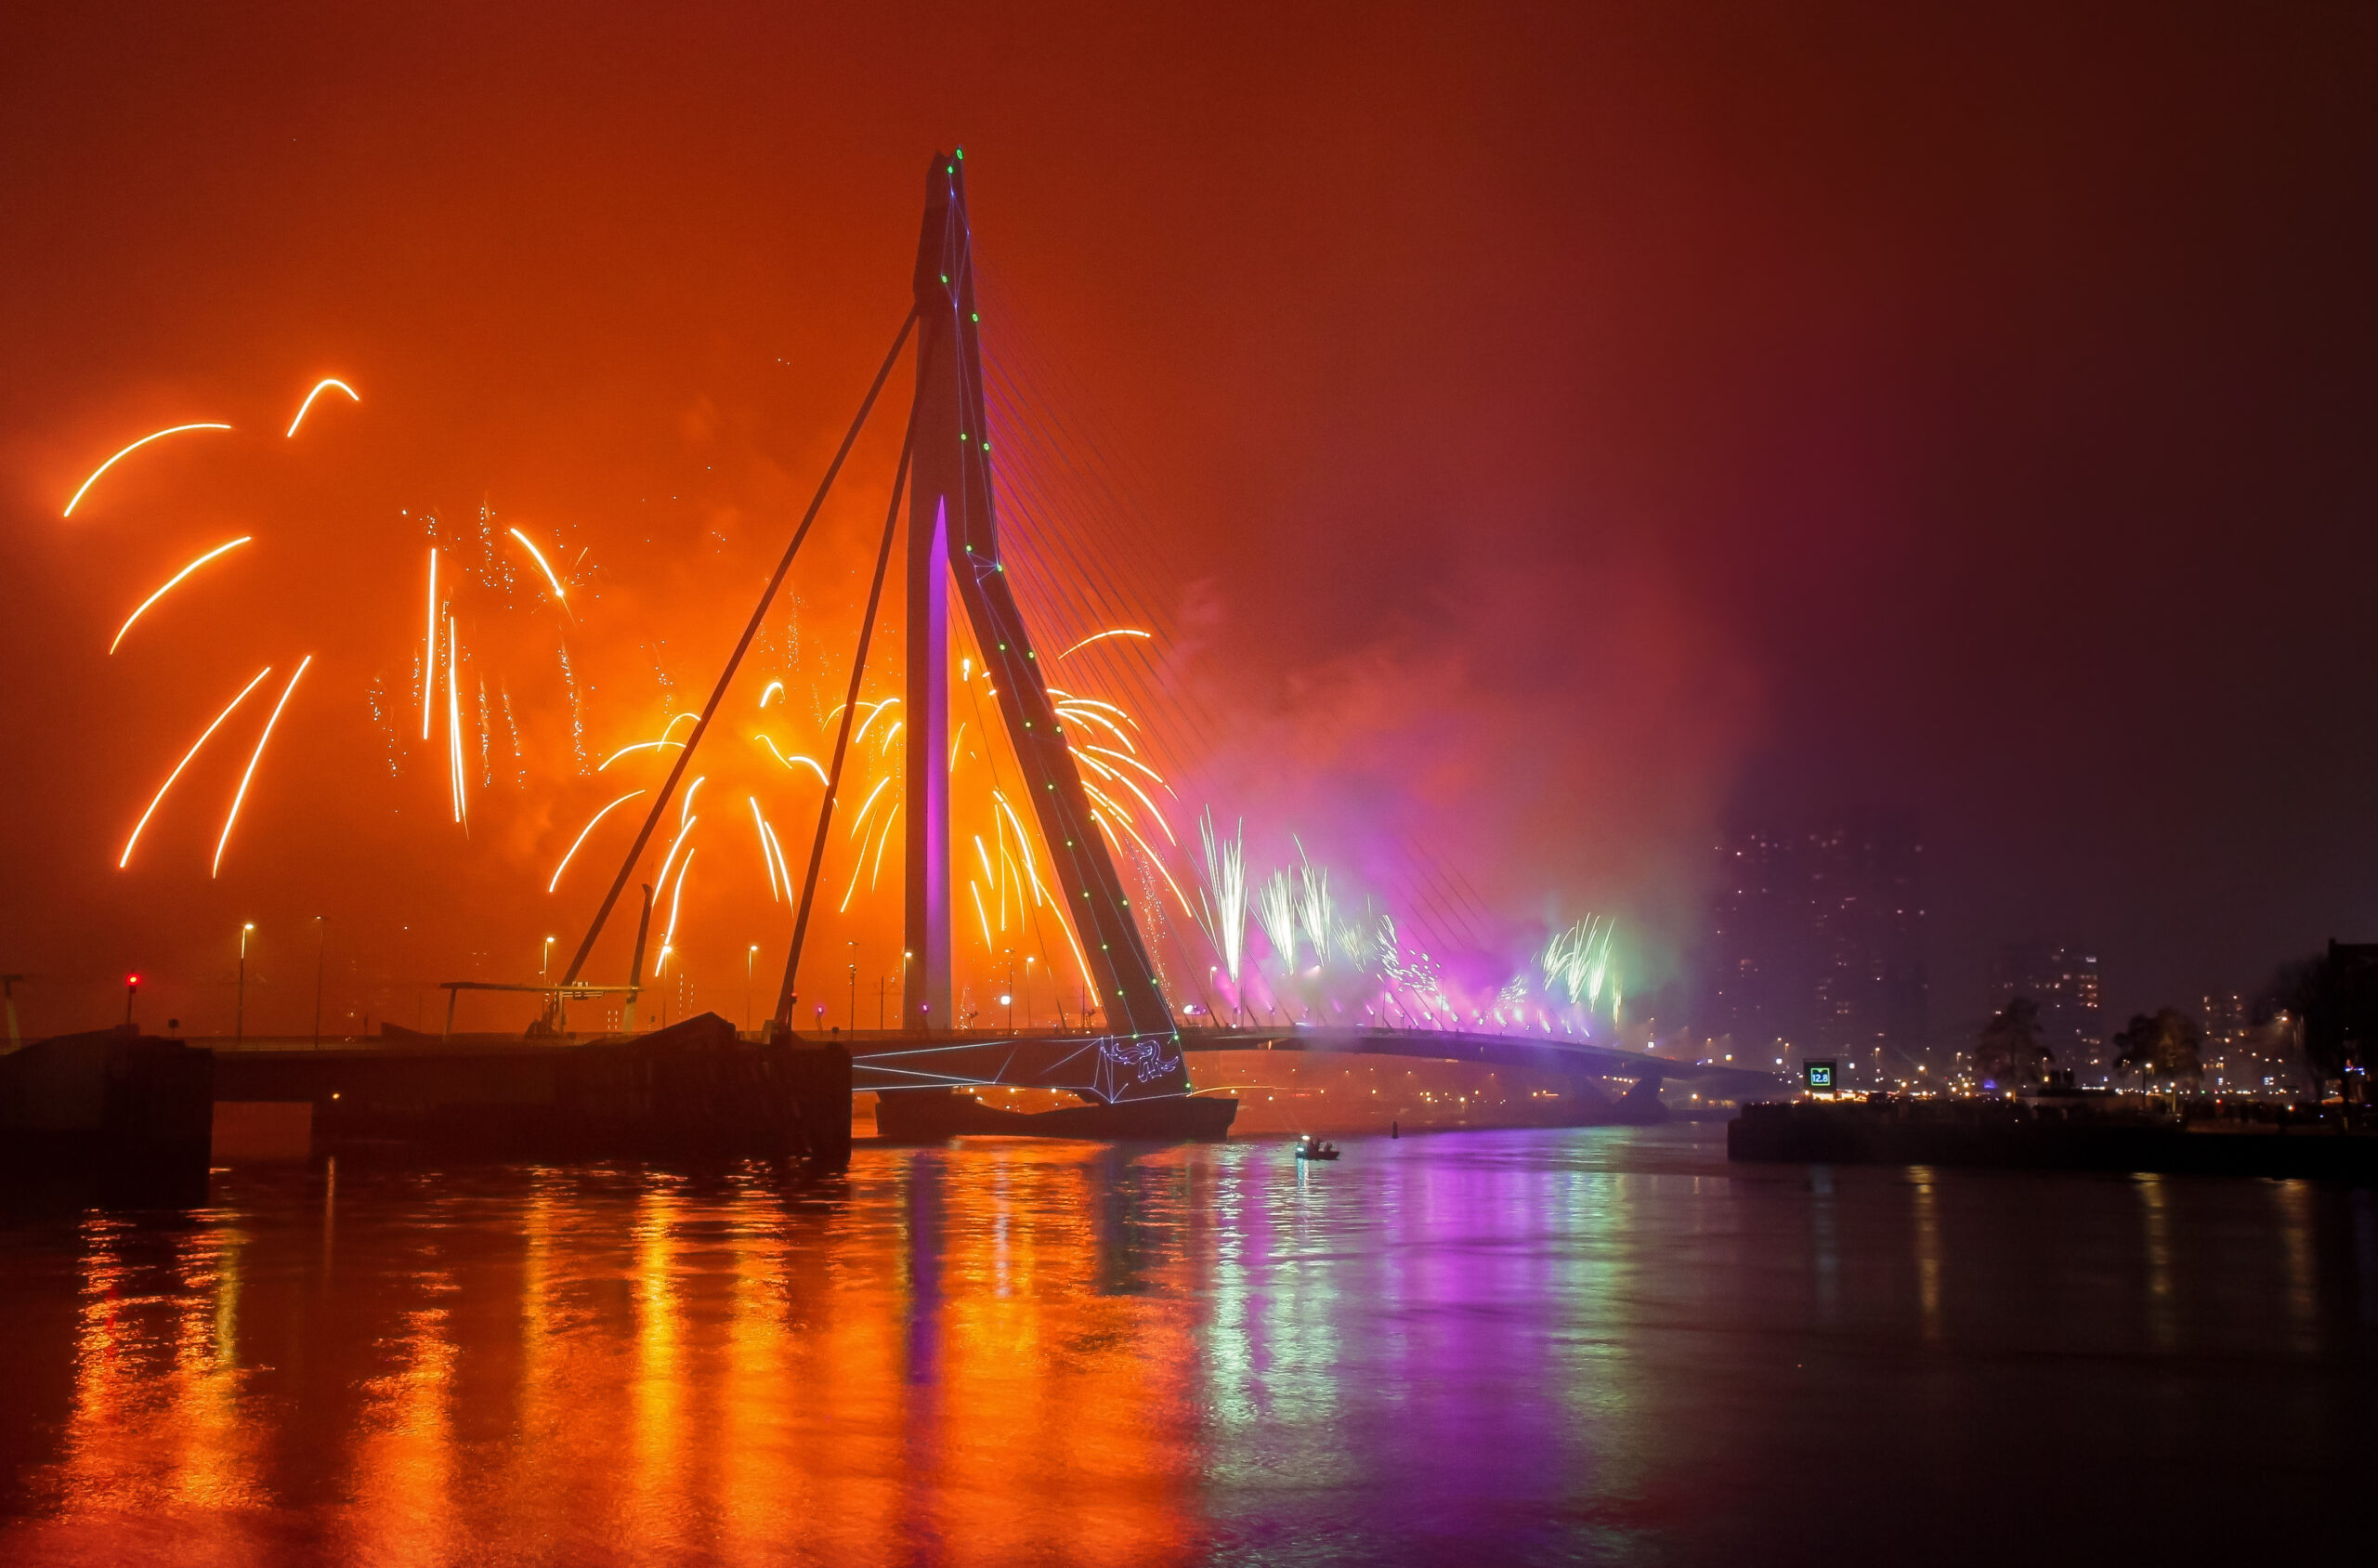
(886, 1060)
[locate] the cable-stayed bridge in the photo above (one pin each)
(943, 526)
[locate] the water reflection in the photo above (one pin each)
(1491, 1346)
(1927, 1250)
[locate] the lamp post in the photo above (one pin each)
(131, 989)
(751, 957)
(321, 938)
(546, 964)
(1009, 998)
(850, 1012)
(239, 1008)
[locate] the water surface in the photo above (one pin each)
(1598, 1345)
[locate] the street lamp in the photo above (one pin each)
(751, 957)
(131, 989)
(850, 1017)
(239, 1008)
(546, 964)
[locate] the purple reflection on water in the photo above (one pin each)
(1483, 1347)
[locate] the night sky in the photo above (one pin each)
(1568, 428)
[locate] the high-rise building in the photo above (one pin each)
(2062, 978)
(2241, 1054)
(1816, 943)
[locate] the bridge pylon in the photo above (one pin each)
(953, 542)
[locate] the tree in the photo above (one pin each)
(2010, 1052)
(2167, 1046)
(2333, 997)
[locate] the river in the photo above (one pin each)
(1541, 1345)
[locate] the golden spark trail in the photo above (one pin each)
(953, 745)
(639, 746)
(327, 382)
(193, 752)
(256, 757)
(876, 875)
(869, 805)
(976, 889)
(789, 761)
(1101, 636)
(454, 726)
(429, 649)
(761, 824)
(1134, 761)
(1085, 716)
(581, 836)
(1091, 702)
(669, 938)
(852, 891)
(685, 806)
(1156, 860)
(1142, 794)
(669, 858)
(1102, 798)
(774, 688)
(1031, 868)
(127, 452)
(778, 850)
(539, 555)
(169, 587)
(870, 718)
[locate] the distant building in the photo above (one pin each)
(2240, 1055)
(2062, 977)
(1816, 944)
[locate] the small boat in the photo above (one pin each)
(1308, 1149)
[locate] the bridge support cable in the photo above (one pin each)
(743, 646)
(952, 489)
(781, 1022)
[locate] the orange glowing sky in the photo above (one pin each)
(1541, 432)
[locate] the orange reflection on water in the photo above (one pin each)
(1019, 1348)
(156, 1424)
(1525, 1345)
(608, 1365)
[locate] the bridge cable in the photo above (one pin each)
(780, 1023)
(702, 726)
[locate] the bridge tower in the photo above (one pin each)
(953, 541)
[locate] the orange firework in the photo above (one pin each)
(127, 451)
(186, 757)
(320, 386)
(169, 587)
(256, 757)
